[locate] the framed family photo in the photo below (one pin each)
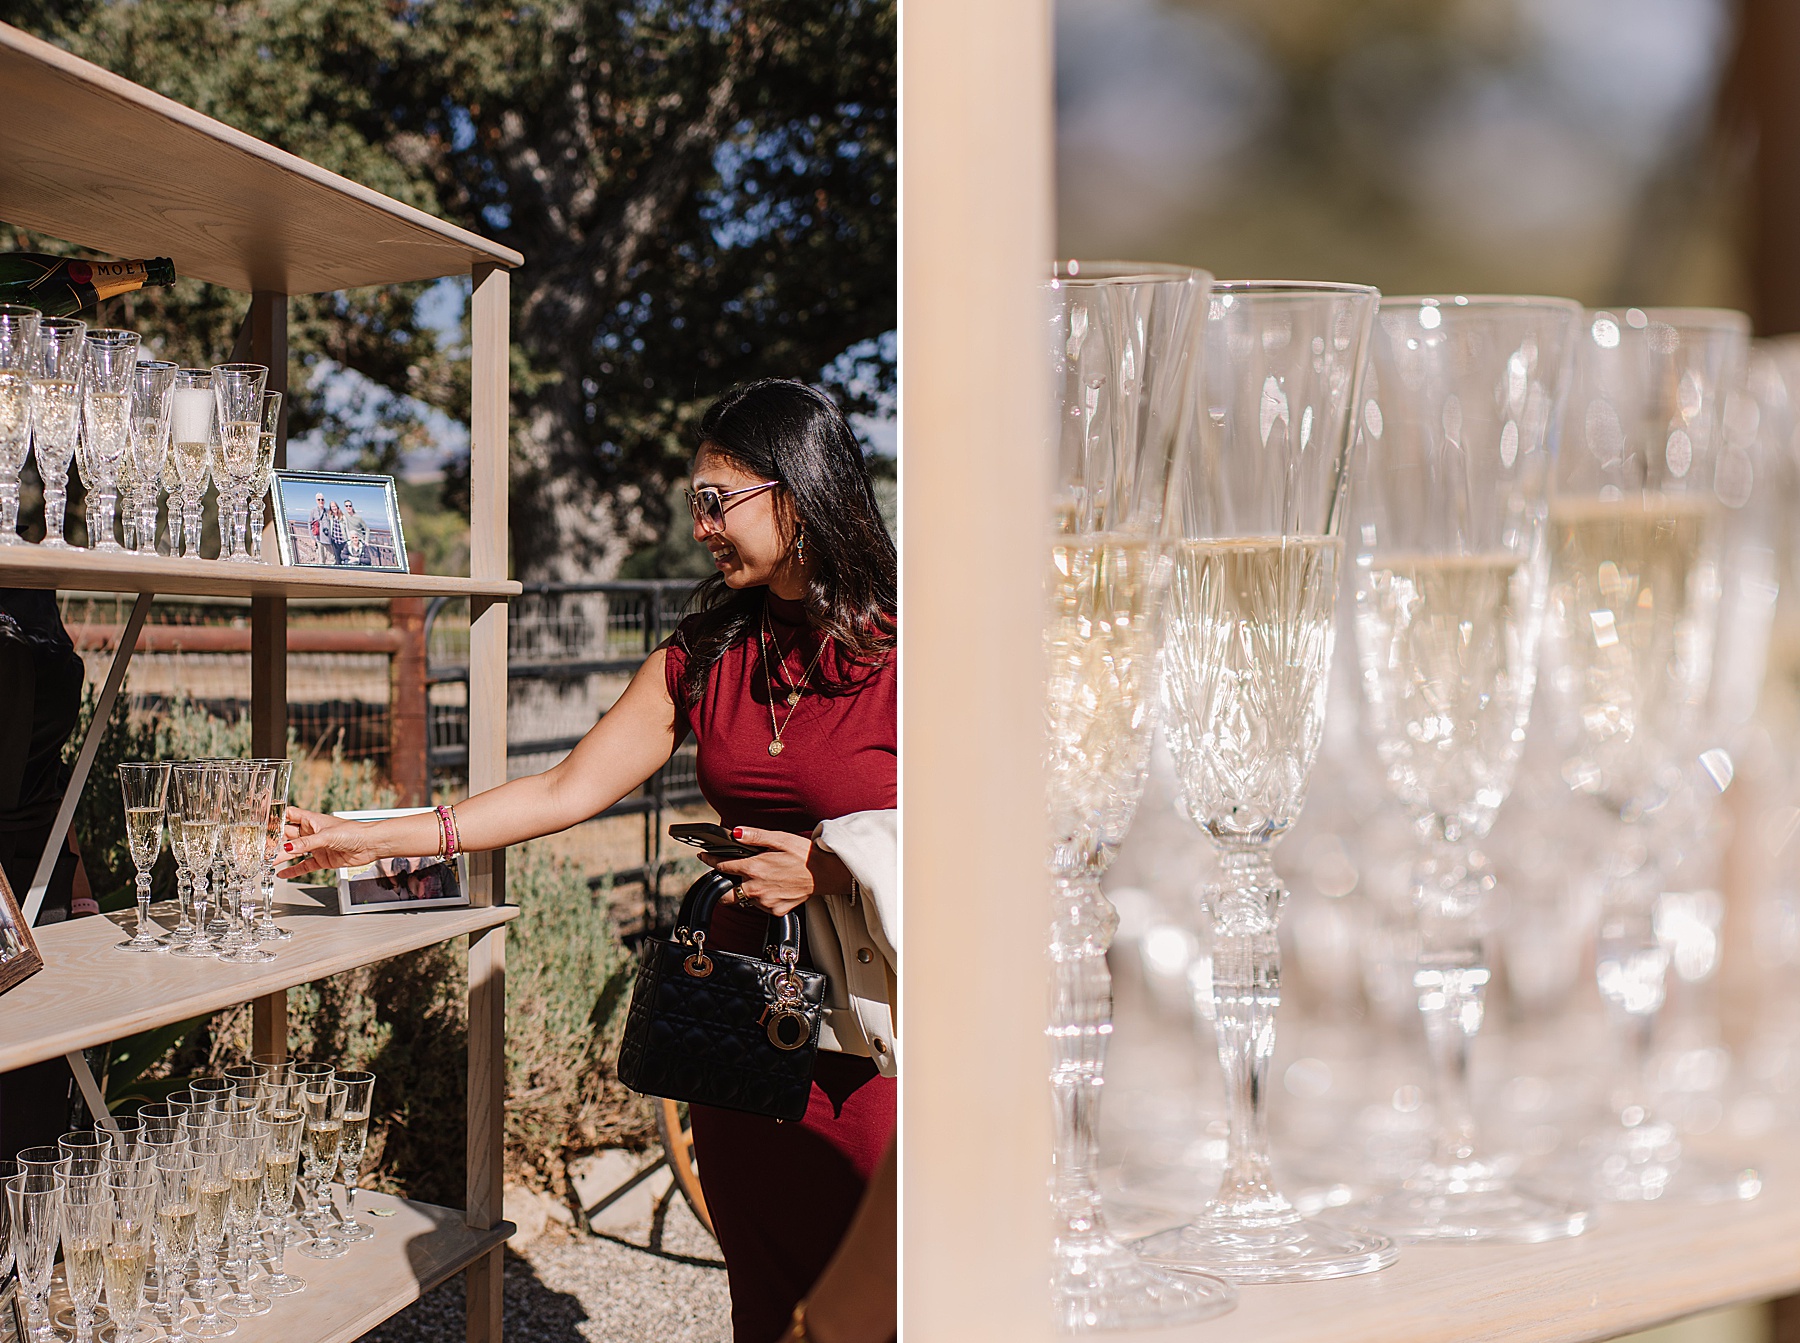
(331, 520)
(401, 883)
(19, 958)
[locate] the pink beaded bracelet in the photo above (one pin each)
(447, 837)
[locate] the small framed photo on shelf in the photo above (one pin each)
(401, 883)
(329, 520)
(19, 958)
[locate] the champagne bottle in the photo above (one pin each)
(60, 286)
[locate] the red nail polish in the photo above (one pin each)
(737, 832)
(288, 847)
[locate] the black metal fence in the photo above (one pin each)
(571, 649)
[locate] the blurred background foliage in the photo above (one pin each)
(703, 191)
(1617, 151)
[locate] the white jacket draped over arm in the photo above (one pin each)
(855, 938)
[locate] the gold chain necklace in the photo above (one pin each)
(795, 693)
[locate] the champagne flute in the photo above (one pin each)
(212, 1197)
(324, 1104)
(18, 345)
(281, 1163)
(177, 1194)
(1451, 564)
(1122, 347)
(267, 930)
(238, 395)
(170, 485)
(56, 416)
(1247, 664)
(193, 429)
(132, 1199)
(265, 465)
(246, 1146)
(359, 1089)
(34, 1198)
(108, 387)
(146, 794)
(249, 784)
(199, 803)
(1632, 615)
(86, 1207)
(152, 409)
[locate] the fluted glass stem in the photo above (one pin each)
(9, 511)
(192, 509)
(105, 512)
(1450, 978)
(56, 503)
(1080, 1026)
(1246, 991)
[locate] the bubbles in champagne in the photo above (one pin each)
(1106, 600)
(1634, 588)
(106, 425)
(1449, 659)
(55, 423)
(143, 835)
(15, 420)
(1247, 668)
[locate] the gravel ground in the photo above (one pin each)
(594, 1289)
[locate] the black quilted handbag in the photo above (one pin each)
(717, 1028)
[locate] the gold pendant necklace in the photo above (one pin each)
(794, 694)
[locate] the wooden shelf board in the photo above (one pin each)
(88, 994)
(30, 566)
(97, 160)
(1638, 1267)
(414, 1250)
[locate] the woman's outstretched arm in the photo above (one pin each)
(624, 748)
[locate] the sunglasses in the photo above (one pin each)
(707, 503)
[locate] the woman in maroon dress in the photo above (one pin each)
(784, 675)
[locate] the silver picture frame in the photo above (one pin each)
(398, 884)
(305, 540)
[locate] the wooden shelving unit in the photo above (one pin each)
(99, 161)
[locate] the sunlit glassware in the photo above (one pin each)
(265, 465)
(151, 419)
(199, 790)
(56, 415)
(18, 347)
(108, 389)
(193, 430)
(1635, 526)
(1121, 346)
(238, 399)
(145, 789)
(1246, 666)
(1451, 555)
(34, 1201)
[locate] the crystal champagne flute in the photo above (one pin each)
(1451, 563)
(146, 793)
(359, 1089)
(132, 1198)
(1247, 664)
(265, 465)
(1122, 345)
(152, 409)
(199, 802)
(193, 430)
(34, 1199)
(56, 416)
(238, 394)
(108, 387)
(324, 1104)
(1634, 589)
(177, 1195)
(246, 1146)
(85, 1209)
(281, 1164)
(170, 485)
(212, 1198)
(249, 784)
(267, 930)
(18, 346)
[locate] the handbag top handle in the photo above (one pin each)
(703, 898)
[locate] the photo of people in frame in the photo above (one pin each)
(19, 958)
(333, 521)
(400, 883)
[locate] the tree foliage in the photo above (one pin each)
(703, 190)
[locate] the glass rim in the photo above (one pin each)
(1484, 300)
(1711, 319)
(1073, 272)
(113, 335)
(1295, 288)
(19, 310)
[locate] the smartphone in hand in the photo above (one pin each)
(714, 840)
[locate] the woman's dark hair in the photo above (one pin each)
(780, 429)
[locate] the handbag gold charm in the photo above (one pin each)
(699, 965)
(786, 1024)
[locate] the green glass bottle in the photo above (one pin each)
(61, 286)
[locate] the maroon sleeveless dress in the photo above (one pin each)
(782, 1195)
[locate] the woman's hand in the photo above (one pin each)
(789, 872)
(311, 841)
